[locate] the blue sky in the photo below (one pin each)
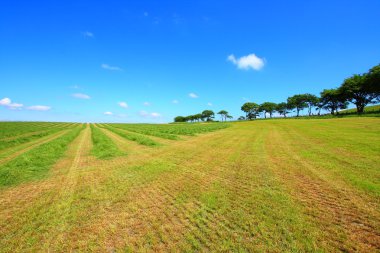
(148, 61)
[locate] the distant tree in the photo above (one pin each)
(180, 119)
(241, 118)
(357, 91)
(372, 84)
(208, 115)
(297, 102)
(268, 107)
(311, 101)
(198, 117)
(251, 110)
(319, 105)
(229, 117)
(332, 100)
(223, 114)
(282, 109)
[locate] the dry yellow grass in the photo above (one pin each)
(274, 185)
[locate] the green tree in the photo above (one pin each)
(297, 102)
(311, 101)
(241, 118)
(332, 100)
(180, 119)
(251, 110)
(372, 84)
(223, 114)
(319, 105)
(198, 117)
(268, 107)
(356, 90)
(208, 115)
(282, 109)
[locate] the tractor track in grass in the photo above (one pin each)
(64, 204)
(148, 215)
(350, 222)
(47, 200)
(13, 152)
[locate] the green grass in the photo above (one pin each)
(145, 129)
(306, 185)
(140, 139)
(12, 129)
(367, 109)
(35, 164)
(27, 138)
(103, 146)
(170, 130)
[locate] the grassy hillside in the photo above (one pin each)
(306, 185)
(367, 109)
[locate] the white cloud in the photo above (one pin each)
(247, 62)
(108, 67)
(39, 108)
(123, 104)
(108, 113)
(193, 95)
(175, 101)
(143, 113)
(146, 103)
(88, 34)
(15, 106)
(146, 114)
(155, 115)
(81, 96)
(7, 102)
(209, 104)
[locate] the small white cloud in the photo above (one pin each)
(193, 95)
(108, 113)
(15, 106)
(175, 101)
(209, 104)
(88, 34)
(80, 96)
(146, 104)
(108, 67)
(123, 104)
(146, 14)
(246, 62)
(75, 87)
(155, 115)
(146, 114)
(143, 113)
(5, 101)
(39, 108)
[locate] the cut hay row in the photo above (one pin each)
(35, 163)
(103, 146)
(141, 139)
(145, 130)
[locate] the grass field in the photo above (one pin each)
(262, 186)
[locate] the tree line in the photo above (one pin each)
(359, 89)
(206, 115)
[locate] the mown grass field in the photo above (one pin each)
(260, 186)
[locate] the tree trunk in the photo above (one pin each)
(359, 108)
